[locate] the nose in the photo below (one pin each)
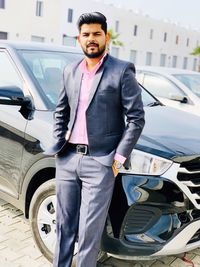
(91, 37)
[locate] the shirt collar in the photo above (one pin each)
(83, 66)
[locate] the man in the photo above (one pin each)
(91, 140)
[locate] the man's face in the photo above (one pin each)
(93, 40)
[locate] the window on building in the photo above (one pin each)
(188, 42)
(177, 39)
(133, 56)
(39, 8)
(151, 34)
(115, 52)
(3, 35)
(194, 64)
(39, 39)
(70, 15)
(2, 3)
(185, 61)
(148, 58)
(117, 25)
(174, 61)
(135, 30)
(165, 37)
(69, 41)
(163, 60)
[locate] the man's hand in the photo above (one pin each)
(116, 167)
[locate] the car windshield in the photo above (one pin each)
(47, 68)
(192, 81)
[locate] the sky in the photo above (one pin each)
(184, 12)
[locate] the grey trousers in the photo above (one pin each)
(84, 190)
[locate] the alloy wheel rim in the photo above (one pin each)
(46, 223)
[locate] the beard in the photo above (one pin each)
(96, 54)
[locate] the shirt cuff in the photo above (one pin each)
(119, 158)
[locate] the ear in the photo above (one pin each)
(107, 37)
(78, 38)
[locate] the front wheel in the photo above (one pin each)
(42, 215)
(43, 218)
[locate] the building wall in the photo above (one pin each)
(19, 20)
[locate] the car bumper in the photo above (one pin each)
(152, 216)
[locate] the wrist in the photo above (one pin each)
(117, 164)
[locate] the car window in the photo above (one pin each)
(192, 81)
(140, 77)
(147, 99)
(161, 87)
(47, 68)
(9, 76)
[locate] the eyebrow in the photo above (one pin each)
(91, 32)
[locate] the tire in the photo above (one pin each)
(42, 216)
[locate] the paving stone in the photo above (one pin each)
(196, 261)
(9, 255)
(119, 263)
(196, 251)
(32, 251)
(167, 260)
(43, 261)
(160, 264)
(25, 261)
(144, 264)
(180, 263)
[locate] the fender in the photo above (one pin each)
(44, 163)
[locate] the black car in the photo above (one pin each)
(155, 209)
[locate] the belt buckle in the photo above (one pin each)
(81, 149)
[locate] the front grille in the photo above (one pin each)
(193, 165)
(195, 238)
(189, 178)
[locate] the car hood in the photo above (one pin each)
(170, 133)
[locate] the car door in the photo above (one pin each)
(12, 128)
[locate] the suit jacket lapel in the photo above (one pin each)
(77, 87)
(95, 84)
(97, 78)
(76, 93)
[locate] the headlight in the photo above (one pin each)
(147, 164)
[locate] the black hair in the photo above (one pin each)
(93, 17)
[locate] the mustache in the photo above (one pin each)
(92, 43)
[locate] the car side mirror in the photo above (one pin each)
(184, 100)
(180, 98)
(12, 95)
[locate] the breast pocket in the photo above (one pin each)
(109, 90)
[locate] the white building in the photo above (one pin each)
(146, 41)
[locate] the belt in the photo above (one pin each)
(79, 148)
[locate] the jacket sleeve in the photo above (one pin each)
(133, 111)
(61, 114)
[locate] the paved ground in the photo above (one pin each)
(17, 248)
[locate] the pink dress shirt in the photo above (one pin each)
(79, 132)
